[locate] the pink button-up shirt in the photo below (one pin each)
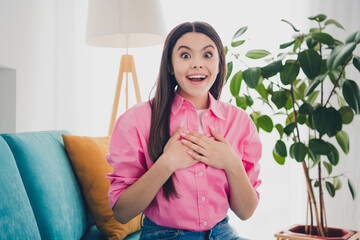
(203, 190)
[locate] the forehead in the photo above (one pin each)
(194, 41)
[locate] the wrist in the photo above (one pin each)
(165, 164)
(236, 166)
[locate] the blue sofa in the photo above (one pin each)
(40, 195)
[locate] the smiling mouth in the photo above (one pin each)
(196, 78)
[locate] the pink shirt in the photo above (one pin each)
(203, 190)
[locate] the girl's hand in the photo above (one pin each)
(175, 153)
(214, 151)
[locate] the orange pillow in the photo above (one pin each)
(87, 156)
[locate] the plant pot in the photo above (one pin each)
(297, 232)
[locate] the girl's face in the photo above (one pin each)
(195, 61)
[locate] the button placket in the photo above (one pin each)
(202, 196)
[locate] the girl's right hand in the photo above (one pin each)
(175, 153)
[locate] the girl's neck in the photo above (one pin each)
(200, 102)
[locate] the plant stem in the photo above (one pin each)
(320, 194)
(306, 170)
(335, 85)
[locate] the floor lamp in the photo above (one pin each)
(125, 24)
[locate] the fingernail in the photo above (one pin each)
(183, 134)
(186, 131)
(181, 124)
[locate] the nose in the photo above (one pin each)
(197, 64)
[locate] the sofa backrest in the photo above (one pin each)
(50, 183)
(17, 220)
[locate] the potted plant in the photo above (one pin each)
(304, 88)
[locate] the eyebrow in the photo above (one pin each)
(186, 47)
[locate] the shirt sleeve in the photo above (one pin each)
(126, 157)
(251, 154)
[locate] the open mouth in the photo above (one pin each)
(196, 78)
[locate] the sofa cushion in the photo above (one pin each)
(87, 155)
(50, 183)
(17, 217)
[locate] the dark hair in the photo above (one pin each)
(165, 91)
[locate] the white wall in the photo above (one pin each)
(64, 84)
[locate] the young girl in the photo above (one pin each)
(184, 157)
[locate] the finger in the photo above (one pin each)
(196, 148)
(197, 138)
(217, 135)
(197, 157)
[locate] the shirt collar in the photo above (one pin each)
(180, 102)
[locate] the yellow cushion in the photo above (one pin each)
(87, 155)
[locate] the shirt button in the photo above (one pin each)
(203, 199)
(201, 173)
(204, 223)
(206, 114)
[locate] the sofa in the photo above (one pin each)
(42, 196)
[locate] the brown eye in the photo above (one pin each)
(185, 55)
(207, 55)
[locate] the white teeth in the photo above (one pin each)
(197, 76)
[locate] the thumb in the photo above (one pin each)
(217, 135)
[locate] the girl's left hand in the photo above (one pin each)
(214, 151)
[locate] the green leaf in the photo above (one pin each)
(347, 114)
(279, 98)
(318, 18)
(251, 77)
(328, 167)
(333, 155)
(312, 97)
(320, 118)
(330, 188)
(301, 119)
(310, 42)
(249, 100)
(334, 123)
(314, 83)
(324, 38)
(241, 102)
(332, 21)
(306, 108)
(271, 69)
(343, 140)
(262, 91)
(299, 151)
(235, 83)
(237, 43)
(240, 32)
(351, 94)
(229, 67)
(314, 157)
(355, 37)
(280, 129)
(257, 53)
(296, 30)
(337, 183)
(339, 55)
(265, 123)
(310, 63)
(356, 62)
(316, 183)
(352, 189)
(278, 159)
(288, 44)
(319, 146)
(280, 149)
(290, 71)
(289, 128)
(226, 49)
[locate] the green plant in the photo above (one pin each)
(305, 88)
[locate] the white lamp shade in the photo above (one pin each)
(125, 23)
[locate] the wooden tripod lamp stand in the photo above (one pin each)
(127, 65)
(125, 24)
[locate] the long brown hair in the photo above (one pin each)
(165, 92)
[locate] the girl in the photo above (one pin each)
(184, 157)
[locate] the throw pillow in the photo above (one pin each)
(87, 156)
